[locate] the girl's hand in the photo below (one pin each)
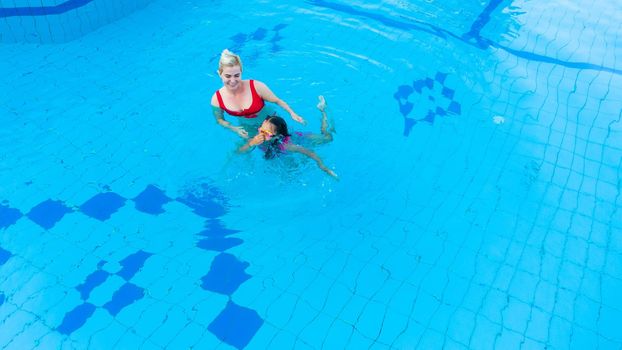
(299, 119)
(332, 173)
(257, 140)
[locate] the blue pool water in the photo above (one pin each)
(479, 149)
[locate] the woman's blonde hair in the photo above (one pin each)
(228, 59)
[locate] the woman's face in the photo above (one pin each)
(231, 77)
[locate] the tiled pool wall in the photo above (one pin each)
(57, 21)
(482, 272)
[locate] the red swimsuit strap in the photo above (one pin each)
(221, 103)
(251, 112)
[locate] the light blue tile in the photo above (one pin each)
(582, 338)
(564, 303)
(523, 286)
(282, 339)
(409, 337)
(493, 305)
(516, 315)
(537, 327)
(393, 324)
(425, 307)
(150, 320)
(263, 337)
(483, 336)
(431, 340)
(608, 325)
(208, 341)
(387, 290)
(358, 341)
(508, 339)
(107, 337)
(302, 315)
(188, 336)
(316, 330)
(370, 321)
(281, 311)
(338, 298)
(49, 340)
(318, 292)
(337, 336)
(130, 340)
(559, 331)
(352, 309)
(461, 325)
(24, 335)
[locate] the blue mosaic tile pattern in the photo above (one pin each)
(8, 216)
(435, 99)
(128, 221)
(46, 214)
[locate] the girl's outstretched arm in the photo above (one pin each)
(309, 153)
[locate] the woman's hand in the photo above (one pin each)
(240, 131)
(298, 118)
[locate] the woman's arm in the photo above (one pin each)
(219, 115)
(264, 91)
(309, 153)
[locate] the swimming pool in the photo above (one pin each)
(479, 150)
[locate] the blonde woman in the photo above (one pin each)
(241, 98)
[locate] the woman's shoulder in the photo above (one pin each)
(214, 100)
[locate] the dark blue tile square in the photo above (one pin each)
(429, 117)
(8, 216)
(239, 38)
(126, 295)
(429, 83)
(2, 298)
(418, 85)
(76, 318)
(102, 206)
(408, 125)
(215, 228)
(132, 264)
(236, 325)
(4, 256)
(205, 201)
(219, 244)
(449, 93)
(226, 274)
(440, 77)
(151, 200)
(92, 281)
(48, 213)
(259, 34)
(454, 107)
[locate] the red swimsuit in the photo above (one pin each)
(250, 112)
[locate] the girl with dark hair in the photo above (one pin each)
(274, 138)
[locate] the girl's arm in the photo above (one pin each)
(264, 91)
(309, 153)
(219, 115)
(257, 140)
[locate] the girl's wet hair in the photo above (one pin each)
(274, 145)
